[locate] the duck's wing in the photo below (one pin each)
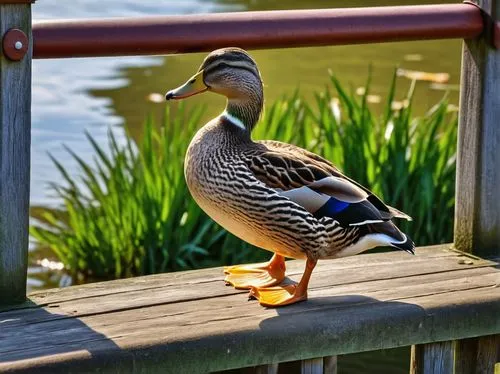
(316, 184)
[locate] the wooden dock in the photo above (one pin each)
(189, 322)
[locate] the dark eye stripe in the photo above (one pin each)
(223, 65)
(229, 55)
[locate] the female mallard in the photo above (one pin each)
(274, 195)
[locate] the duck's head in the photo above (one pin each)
(230, 72)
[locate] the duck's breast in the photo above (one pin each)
(228, 192)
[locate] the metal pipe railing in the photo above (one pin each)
(269, 29)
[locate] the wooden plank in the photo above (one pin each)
(330, 365)
(376, 282)
(15, 135)
(312, 366)
(477, 355)
(488, 353)
(209, 311)
(217, 344)
(162, 331)
(378, 289)
(466, 356)
(178, 318)
(477, 212)
(397, 287)
(433, 358)
(169, 284)
(349, 264)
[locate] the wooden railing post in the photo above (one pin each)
(15, 128)
(477, 207)
(477, 355)
(312, 366)
(432, 358)
(467, 356)
(477, 212)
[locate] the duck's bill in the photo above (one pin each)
(193, 86)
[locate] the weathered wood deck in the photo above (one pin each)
(190, 322)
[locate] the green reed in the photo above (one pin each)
(130, 213)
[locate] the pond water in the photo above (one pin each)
(74, 95)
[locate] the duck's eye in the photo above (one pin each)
(192, 81)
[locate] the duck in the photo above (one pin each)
(274, 195)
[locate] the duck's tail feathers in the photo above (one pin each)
(399, 214)
(396, 238)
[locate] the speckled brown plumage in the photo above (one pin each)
(221, 174)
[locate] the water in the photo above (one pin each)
(74, 95)
(71, 96)
(63, 107)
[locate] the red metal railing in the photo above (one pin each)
(271, 29)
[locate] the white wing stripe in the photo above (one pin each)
(307, 198)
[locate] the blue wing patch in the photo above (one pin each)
(331, 208)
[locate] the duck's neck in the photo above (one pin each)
(246, 108)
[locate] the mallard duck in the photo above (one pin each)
(273, 195)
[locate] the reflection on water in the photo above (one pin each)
(62, 105)
(74, 95)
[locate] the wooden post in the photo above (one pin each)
(477, 211)
(330, 365)
(15, 128)
(432, 358)
(466, 356)
(312, 366)
(488, 353)
(477, 355)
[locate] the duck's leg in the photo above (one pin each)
(287, 294)
(256, 275)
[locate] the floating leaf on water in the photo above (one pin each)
(413, 57)
(424, 76)
(373, 99)
(156, 97)
(360, 91)
(397, 105)
(444, 86)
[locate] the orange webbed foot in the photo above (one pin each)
(278, 296)
(256, 275)
(285, 294)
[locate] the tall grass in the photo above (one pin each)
(408, 161)
(130, 213)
